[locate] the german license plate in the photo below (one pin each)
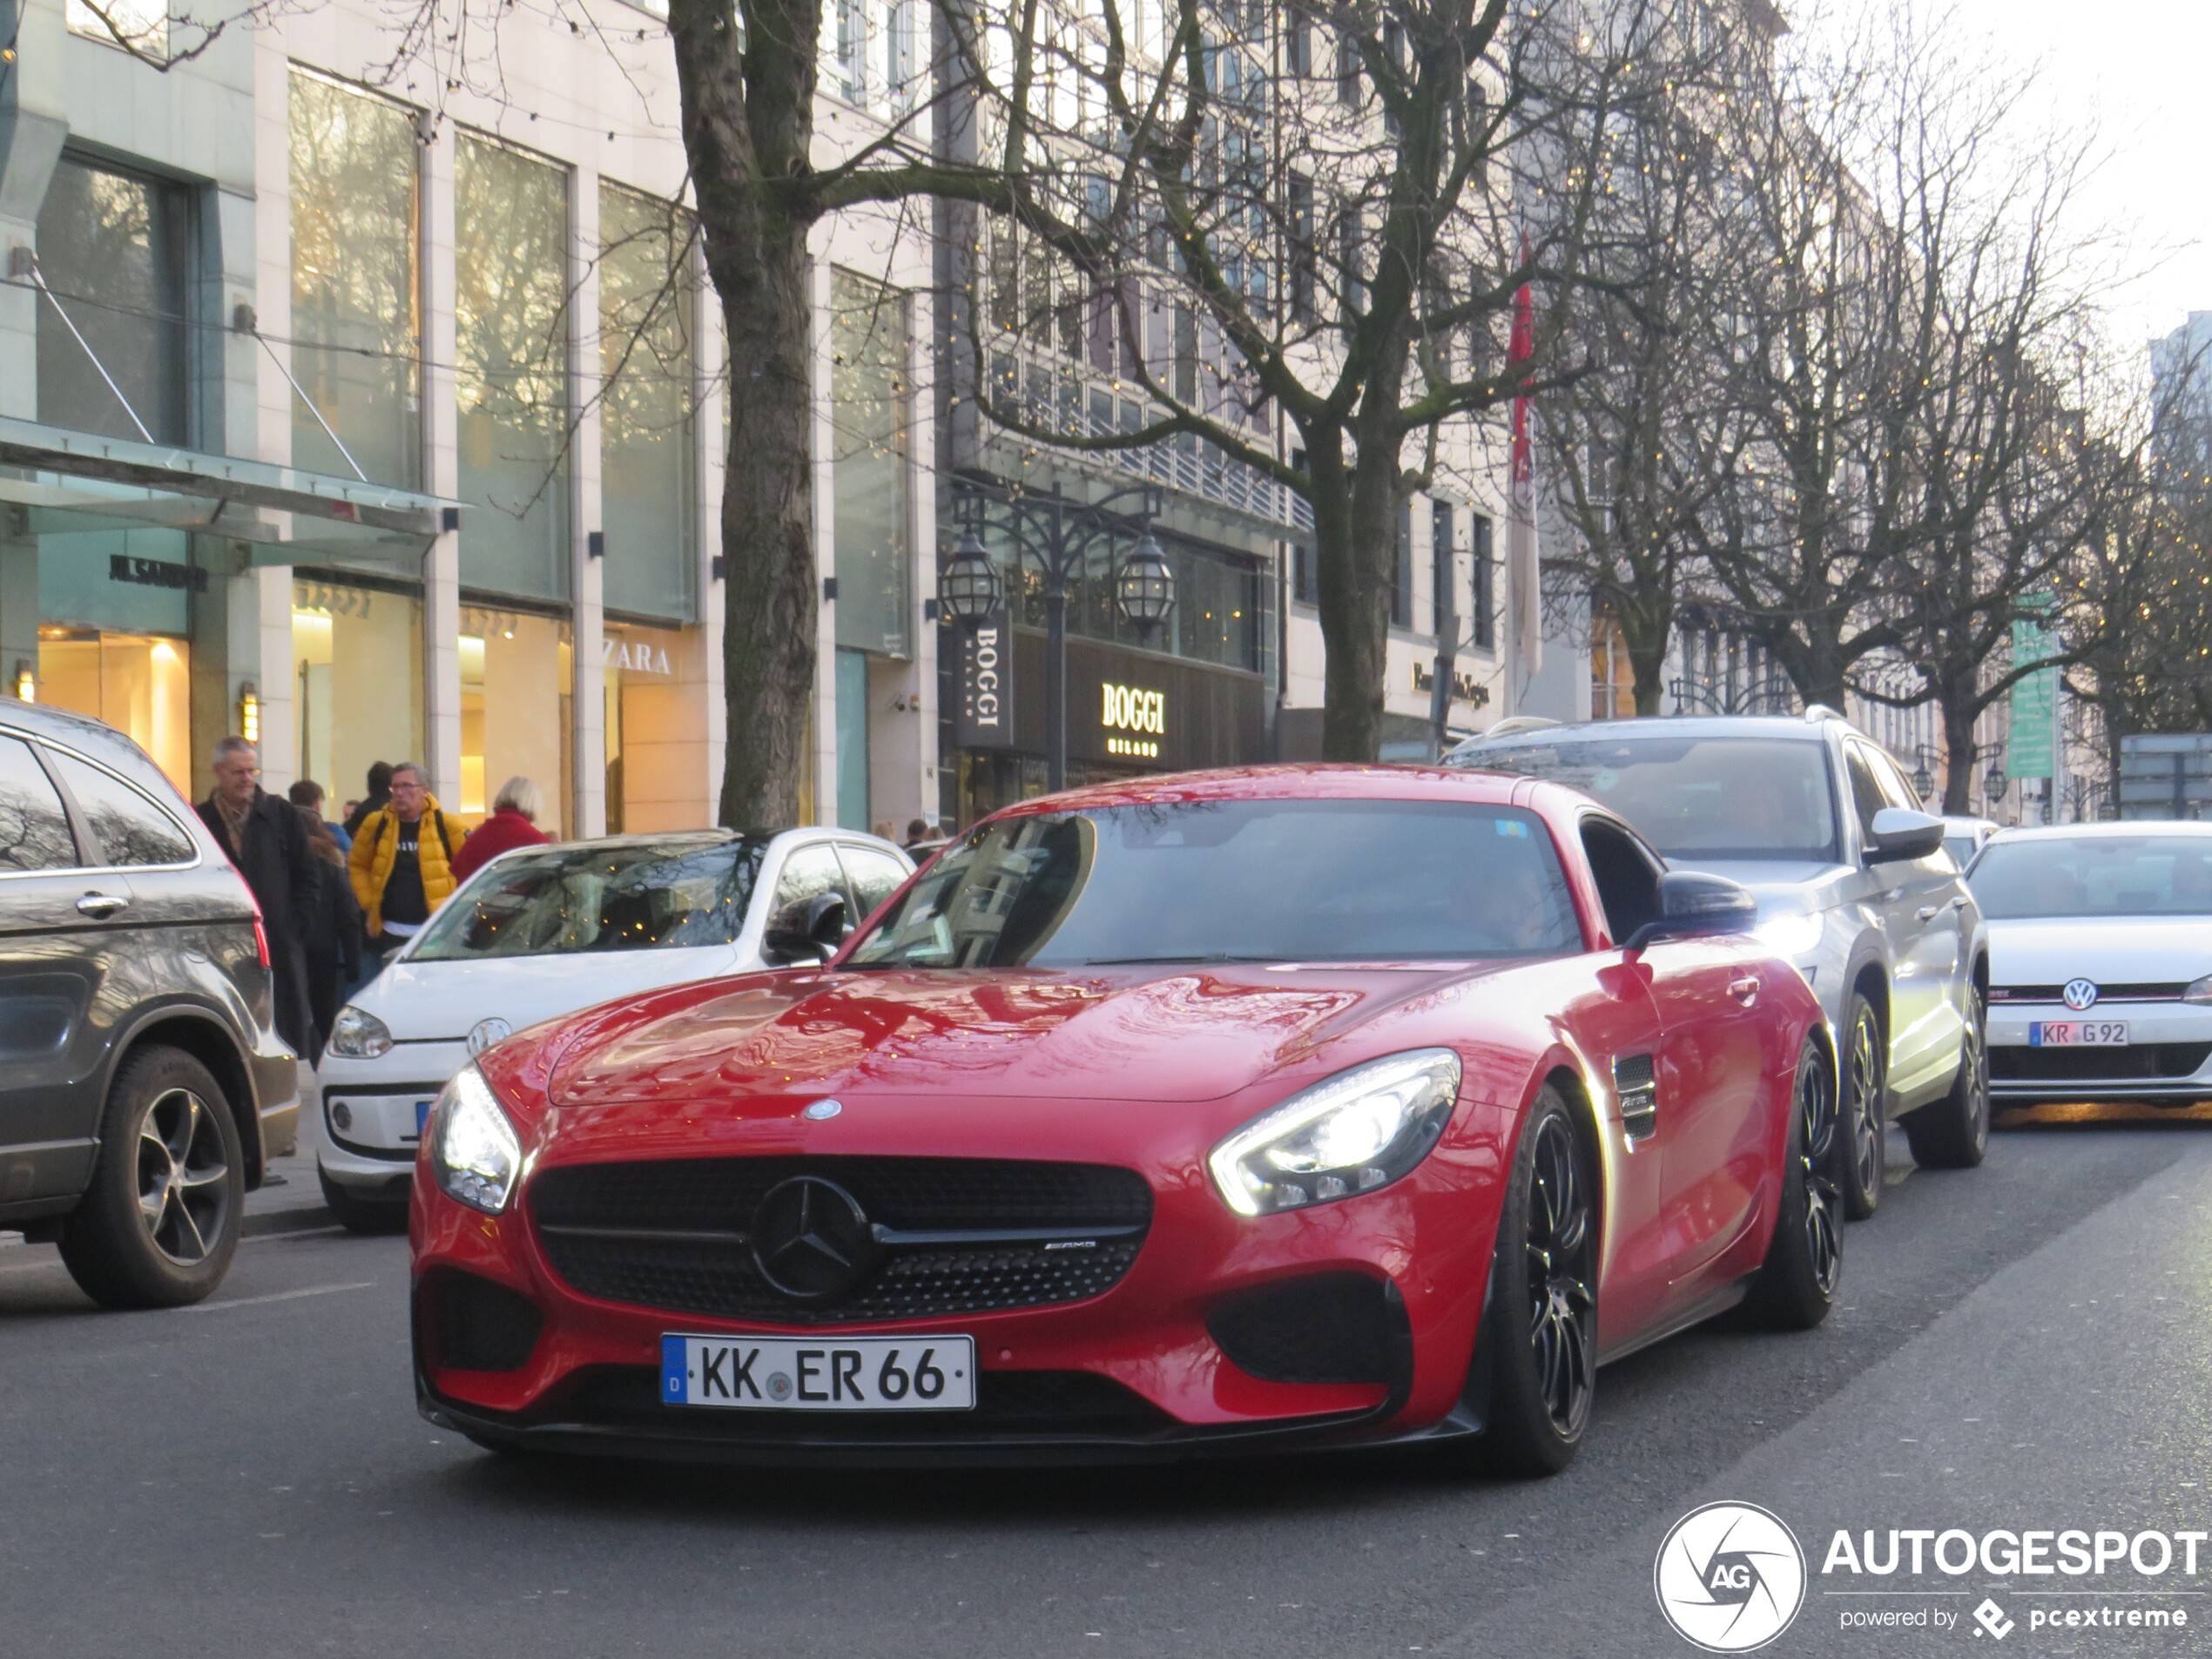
(421, 1116)
(826, 1374)
(2077, 1034)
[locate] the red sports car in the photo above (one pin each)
(1205, 1114)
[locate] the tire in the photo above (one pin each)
(159, 1224)
(1866, 1067)
(359, 1215)
(1796, 1285)
(1543, 1300)
(1953, 1132)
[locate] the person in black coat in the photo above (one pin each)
(334, 941)
(266, 841)
(378, 797)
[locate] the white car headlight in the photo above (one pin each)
(2199, 990)
(358, 1035)
(474, 1153)
(1791, 934)
(1346, 1135)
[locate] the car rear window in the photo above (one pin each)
(1694, 798)
(578, 900)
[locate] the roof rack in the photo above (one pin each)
(1821, 712)
(1508, 727)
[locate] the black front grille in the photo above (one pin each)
(2147, 991)
(1328, 1328)
(2138, 1062)
(956, 1234)
(475, 1325)
(1009, 1404)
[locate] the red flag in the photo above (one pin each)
(1523, 566)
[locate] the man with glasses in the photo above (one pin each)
(268, 844)
(402, 863)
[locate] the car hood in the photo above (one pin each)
(439, 1002)
(1782, 887)
(2112, 950)
(1151, 1035)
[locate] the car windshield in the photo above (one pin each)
(657, 896)
(1695, 797)
(2095, 875)
(1235, 881)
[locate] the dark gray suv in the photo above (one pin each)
(142, 1085)
(1853, 885)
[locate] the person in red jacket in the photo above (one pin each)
(513, 823)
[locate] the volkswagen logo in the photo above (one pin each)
(1730, 1577)
(812, 1240)
(2080, 994)
(487, 1033)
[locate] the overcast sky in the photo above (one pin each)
(2143, 69)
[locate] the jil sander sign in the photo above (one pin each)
(986, 709)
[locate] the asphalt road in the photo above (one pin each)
(2026, 1344)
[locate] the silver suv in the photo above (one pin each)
(1853, 883)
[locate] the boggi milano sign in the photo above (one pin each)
(1135, 720)
(984, 719)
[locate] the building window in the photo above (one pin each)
(1302, 251)
(357, 682)
(870, 486)
(1441, 547)
(1305, 584)
(1613, 680)
(140, 25)
(115, 247)
(356, 284)
(648, 488)
(510, 301)
(1348, 70)
(138, 683)
(1483, 583)
(1297, 43)
(516, 670)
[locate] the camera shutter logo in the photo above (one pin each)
(1730, 1577)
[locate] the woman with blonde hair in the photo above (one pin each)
(513, 823)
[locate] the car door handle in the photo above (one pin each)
(1745, 991)
(100, 906)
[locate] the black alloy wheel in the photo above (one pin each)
(1953, 1132)
(158, 1224)
(1866, 1067)
(1797, 1284)
(1543, 1298)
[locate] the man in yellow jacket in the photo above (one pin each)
(402, 862)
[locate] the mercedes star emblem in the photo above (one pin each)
(812, 1240)
(486, 1033)
(822, 1110)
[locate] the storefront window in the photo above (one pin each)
(869, 404)
(115, 248)
(656, 728)
(852, 740)
(356, 294)
(357, 676)
(139, 685)
(647, 491)
(515, 669)
(511, 285)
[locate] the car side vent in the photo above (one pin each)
(480, 1326)
(1324, 1328)
(1636, 1082)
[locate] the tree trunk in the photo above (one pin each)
(1959, 750)
(1354, 535)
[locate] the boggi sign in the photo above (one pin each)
(1144, 714)
(986, 716)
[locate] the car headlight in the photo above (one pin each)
(1791, 934)
(474, 1154)
(2200, 990)
(1349, 1134)
(358, 1035)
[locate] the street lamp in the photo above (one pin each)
(1055, 535)
(968, 587)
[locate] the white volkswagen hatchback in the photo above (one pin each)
(2099, 961)
(543, 931)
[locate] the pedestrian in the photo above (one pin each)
(265, 840)
(918, 831)
(513, 823)
(402, 863)
(333, 941)
(308, 794)
(378, 797)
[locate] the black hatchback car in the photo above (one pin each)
(142, 1085)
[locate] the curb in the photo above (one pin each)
(304, 1220)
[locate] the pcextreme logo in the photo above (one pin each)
(1730, 1577)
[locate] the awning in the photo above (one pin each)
(62, 481)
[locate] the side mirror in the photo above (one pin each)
(805, 929)
(1693, 905)
(1900, 833)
